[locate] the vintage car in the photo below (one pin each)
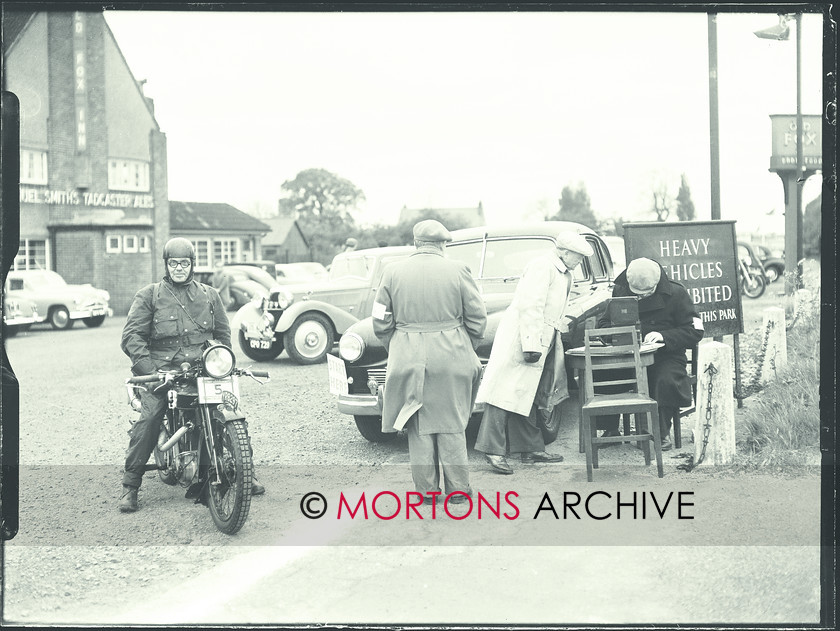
(497, 257)
(60, 303)
(247, 282)
(306, 319)
(296, 273)
(19, 313)
(774, 265)
(619, 258)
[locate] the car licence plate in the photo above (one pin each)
(338, 375)
(213, 390)
(97, 311)
(260, 344)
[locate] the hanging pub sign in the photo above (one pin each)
(702, 256)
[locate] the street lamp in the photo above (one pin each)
(793, 220)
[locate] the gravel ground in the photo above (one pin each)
(75, 547)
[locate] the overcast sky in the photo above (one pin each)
(449, 109)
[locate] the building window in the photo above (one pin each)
(33, 167)
(128, 175)
(145, 244)
(129, 243)
(226, 250)
(202, 253)
(32, 254)
(113, 244)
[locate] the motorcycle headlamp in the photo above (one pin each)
(351, 347)
(218, 361)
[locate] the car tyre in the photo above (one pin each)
(370, 427)
(59, 318)
(260, 354)
(773, 273)
(309, 339)
(94, 321)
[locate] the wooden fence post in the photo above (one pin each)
(775, 355)
(714, 431)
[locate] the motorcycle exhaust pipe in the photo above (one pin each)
(175, 437)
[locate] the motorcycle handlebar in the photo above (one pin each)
(144, 379)
(259, 373)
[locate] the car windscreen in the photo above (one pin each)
(45, 278)
(352, 267)
(507, 258)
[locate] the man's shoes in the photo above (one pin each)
(499, 463)
(429, 499)
(128, 499)
(531, 457)
(256, 487)
(459, 498)
(609, 433)
(666, 444)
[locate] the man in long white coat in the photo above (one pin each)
(430, 317)
(527, 343)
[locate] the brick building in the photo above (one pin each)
(219, 232)
(286, 243)
(93, 194)
(452, 218)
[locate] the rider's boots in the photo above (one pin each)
(256, 487)
(128, 499)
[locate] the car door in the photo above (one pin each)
(504, 260)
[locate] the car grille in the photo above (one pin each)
(377, 374)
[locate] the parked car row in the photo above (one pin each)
(34, 296)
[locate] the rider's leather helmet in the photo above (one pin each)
(179, 248)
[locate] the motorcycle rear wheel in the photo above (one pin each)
(230, 501)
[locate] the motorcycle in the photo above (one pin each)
(753, 280)
(203, 443)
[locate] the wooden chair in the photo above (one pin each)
(636, 402)
(691, 367)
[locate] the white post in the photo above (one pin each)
(715, 406)
(773, 330)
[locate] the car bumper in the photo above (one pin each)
(91, 312)
(22, 320)
(257, 331)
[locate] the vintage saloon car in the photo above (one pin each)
(307, 318)
(19, 313)
(496, 257)
(60, 303)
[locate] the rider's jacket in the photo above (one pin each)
(168, 324)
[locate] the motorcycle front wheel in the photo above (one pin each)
(755, 287)
(230, 501)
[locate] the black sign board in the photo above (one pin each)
(702, 256)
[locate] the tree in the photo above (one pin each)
(662, 201)
(323, 203)
(575, 206)
(685, 206)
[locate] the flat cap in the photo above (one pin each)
(573, 242)
(643, 275)
(431, 230)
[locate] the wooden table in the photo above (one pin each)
(602, 355)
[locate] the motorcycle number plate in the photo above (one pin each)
(212, 390)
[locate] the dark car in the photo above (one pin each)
(247, 282)
(774, 266)
(497, 257)
(307, 318)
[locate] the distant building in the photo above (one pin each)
(93, 176)
(457, 217)
(286, 243)
(218, 231)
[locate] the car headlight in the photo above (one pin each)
(351, 347)
(218, 361)
(284, 298)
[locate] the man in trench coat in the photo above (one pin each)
(667, 315)
(430, 317)
(526, 372)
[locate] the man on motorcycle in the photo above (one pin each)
(167, 324)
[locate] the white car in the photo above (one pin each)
(61, 304)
